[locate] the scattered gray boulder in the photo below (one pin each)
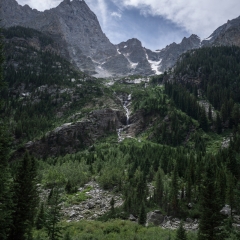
(155, 218)
(226, 210)
(132, 218)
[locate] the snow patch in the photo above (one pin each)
(125, 46)
(154, 65)
(209, 38)
(133, 65)
(96, 62)
(118, 51)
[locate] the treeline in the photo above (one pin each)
(215, 72)
(39, 84)
(186, 183)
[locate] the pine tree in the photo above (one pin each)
(218, 124)
(210, 221)
(112, 202)
(181, 233)
(210, 113)
(5, 177)
(142, 215)
(203, 120)
(230, 191)
(40, 220)
(235, 114)
(25, 199)
(158, 194)
(53, 215)
(67, 236)
(174, 190)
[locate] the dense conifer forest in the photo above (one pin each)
(176, 164)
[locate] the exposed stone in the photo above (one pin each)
(154, 218)
(97, 204)
(132, 218)
(90, 205)
(189, 220)
(71, 137)
(226, 210)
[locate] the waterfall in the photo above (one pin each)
(126, 104)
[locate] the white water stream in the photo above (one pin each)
(126, 104)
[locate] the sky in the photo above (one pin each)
(156, 23)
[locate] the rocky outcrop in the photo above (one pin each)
(71, 137)
(156, 218)
(171, 53)
(72, 23)
(77, 31)
(226, 35)
(96, 205)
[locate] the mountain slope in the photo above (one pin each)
(227, 34)
(80, 38)
(72, 24)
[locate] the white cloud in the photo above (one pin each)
(116, 14)
(40, 5)
(102, 6)
(196, 16)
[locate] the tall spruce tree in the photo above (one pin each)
(142, 218)
(181, 232)
(210, 221)
(53, 215)
(158, 193)
(25, 199)
(174, 190)
(5, 177)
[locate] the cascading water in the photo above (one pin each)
(126, 104)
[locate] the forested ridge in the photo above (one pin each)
(182, 162)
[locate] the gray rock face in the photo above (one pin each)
(136, 55)
(226, 210)
(96, 204)
(172, 52)
(117, 65)
(227, 34)
(155, 218)
(72, 23)
(71, 137)
(158, 219)
(80, 38)
(133, 50)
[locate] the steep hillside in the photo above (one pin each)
(44, 90)
(226, 35)
(152, 150)
(76, 30)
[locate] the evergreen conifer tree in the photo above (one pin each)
(181, 233)
(174, 190)
(5, 177)
(210, 221)
(40, 220)
(112, 202)
(53, 215)
(158, 194)
(142, 215)
(25, 199)
(218, 124)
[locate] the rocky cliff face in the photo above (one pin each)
(78, 34)
(227, 35)
(71, 137)
(172, 52)
(72, 23)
